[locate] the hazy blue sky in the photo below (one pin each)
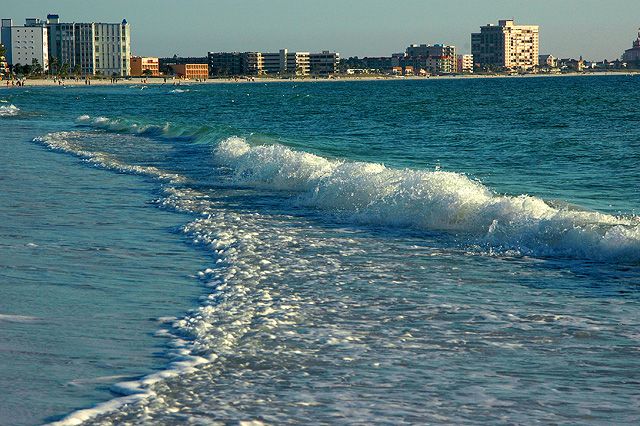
(596, 29)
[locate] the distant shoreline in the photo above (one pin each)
(49, 82)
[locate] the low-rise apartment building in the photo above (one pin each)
(191, 71)
(225, 63)
(324, 63)
(437, 58)
(140, 64)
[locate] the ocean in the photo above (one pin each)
(459, 251)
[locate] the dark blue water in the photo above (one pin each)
(455, 251)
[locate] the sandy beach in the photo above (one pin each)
(170, 82)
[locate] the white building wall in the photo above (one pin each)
(29, 43)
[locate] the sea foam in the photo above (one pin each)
(433, 201)
(9, 110)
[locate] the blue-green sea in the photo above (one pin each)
(459, 251)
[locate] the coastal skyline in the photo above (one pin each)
(570, 29)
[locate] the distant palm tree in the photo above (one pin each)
(54, 64)
(64, 70)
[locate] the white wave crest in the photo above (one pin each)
(9, 110)
(122, 126)
(434, 201)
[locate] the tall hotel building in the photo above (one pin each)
(97, 48)
(506, 46)
(25, 43)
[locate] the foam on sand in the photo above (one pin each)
(433, 201)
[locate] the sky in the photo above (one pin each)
(595, 29)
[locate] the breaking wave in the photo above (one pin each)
(9, 110)
(117, 125)
(434, 201)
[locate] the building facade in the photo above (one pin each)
(4, 66)
(298, 63)
(141, 64)
(324, 63)
(91, 48)
(26, 44)
(225, 63)
(633, 55)
(547, 61)
(506, 46)
(282, 62)
(436, 59)
(166, 63)
(252, 63)
(191, 71)
(465, 64)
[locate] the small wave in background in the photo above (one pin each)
(9, 110)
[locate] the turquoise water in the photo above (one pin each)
(453, 251)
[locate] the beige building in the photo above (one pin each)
(465, 63)
(140, 64)
(506, 46)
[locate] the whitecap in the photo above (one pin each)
(433, 201)
(9, 110)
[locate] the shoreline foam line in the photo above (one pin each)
(196, 329)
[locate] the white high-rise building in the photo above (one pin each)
(506, 46)
(96, 48)
(27, 43)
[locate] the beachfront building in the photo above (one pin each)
(298, 63)
(286, 63)
(252, 63)
(166, 63)
(4, 66)
(225, 63)
(191, 71)
(547, 61)
(324, 63)
(141, 65)
(506, 46)
(275, 62)
(465, 64)
(26, 44)
(632, 55)
(438, 58)
(91, 48)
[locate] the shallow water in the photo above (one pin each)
(380, 252)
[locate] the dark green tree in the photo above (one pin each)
(36, 68)
(64, 70)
